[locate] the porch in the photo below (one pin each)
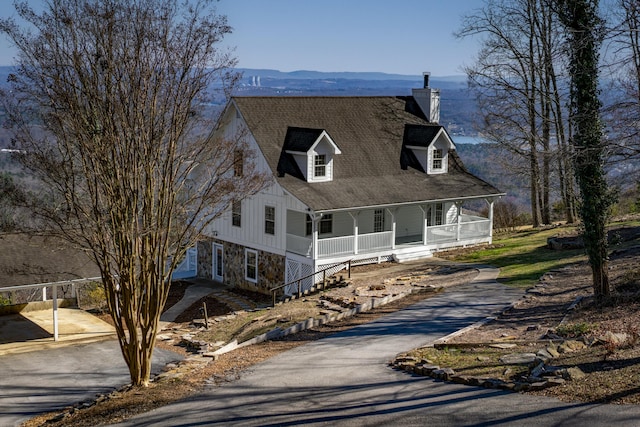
(462, 230)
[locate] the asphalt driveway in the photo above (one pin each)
(50, 379)
(344, 380)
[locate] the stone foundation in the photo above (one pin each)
(271, 267)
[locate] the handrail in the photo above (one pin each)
(299, 280)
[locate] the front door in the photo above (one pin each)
(218, 262)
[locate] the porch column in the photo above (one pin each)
(459, 217)
(490, 201)
(354, 216)
(55, 312)
(314, 234)
(392, 212)
(425, 224)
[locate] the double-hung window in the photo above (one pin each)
(436, 159)
(236, 213)
(251, 265)
(320, 165)
(270, 220)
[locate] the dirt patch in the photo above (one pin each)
(561, 305)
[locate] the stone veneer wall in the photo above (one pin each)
(271, 267)
(205, 259)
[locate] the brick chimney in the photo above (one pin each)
(428, 100)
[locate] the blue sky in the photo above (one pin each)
(399, 36)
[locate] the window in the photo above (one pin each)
(326, 224)
(269, 220)
(378, 221)
(436, 161)
(238, 163)
(435, 214)
(251, 265)
(320, 165)
(437, 220)
(309, 226)
(236, 213)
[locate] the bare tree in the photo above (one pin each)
(515, 82)
(108, 105)
(624, 64)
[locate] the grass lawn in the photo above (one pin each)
(523, 256)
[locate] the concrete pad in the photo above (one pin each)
(33, 331)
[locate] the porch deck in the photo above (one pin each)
(469, 231)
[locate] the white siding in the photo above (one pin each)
(452, 213)
(409, 221)
(251, 233)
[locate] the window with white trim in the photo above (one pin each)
(236, 213)
(438, 214)
(378, 220)
(251, 265)
(435, 214)
(437, 156)
(320, 166)
(270, 220)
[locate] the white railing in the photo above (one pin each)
(471, 228)
(299, 245)
(442, 233)
(374, 241)
(335, 246)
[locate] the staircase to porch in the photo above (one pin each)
(411, 253)
(332, 282)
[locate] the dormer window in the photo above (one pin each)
(320, 166)
(430, 146)
(313, 151)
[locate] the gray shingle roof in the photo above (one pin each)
(301, 139)
(375, 168)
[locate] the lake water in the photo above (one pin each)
(467, 139)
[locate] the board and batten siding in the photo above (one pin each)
(251, 232)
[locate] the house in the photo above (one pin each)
(367, 179)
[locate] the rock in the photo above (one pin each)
(539, 385)
(518, 359)
(533, 327)
(163, 337)
(538, 370)
(616, 339)
(427, 369)
(507, 372)
(483, 359)
(443, 374)
(459, 379)
(552, 351)
(544, 355)
(521, 386)
(570, 346)
(574, 373)
(552, 382)
(503, 346)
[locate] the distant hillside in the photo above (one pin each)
(457, 107)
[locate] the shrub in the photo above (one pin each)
(574, 330)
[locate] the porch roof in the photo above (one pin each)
(375, 168)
